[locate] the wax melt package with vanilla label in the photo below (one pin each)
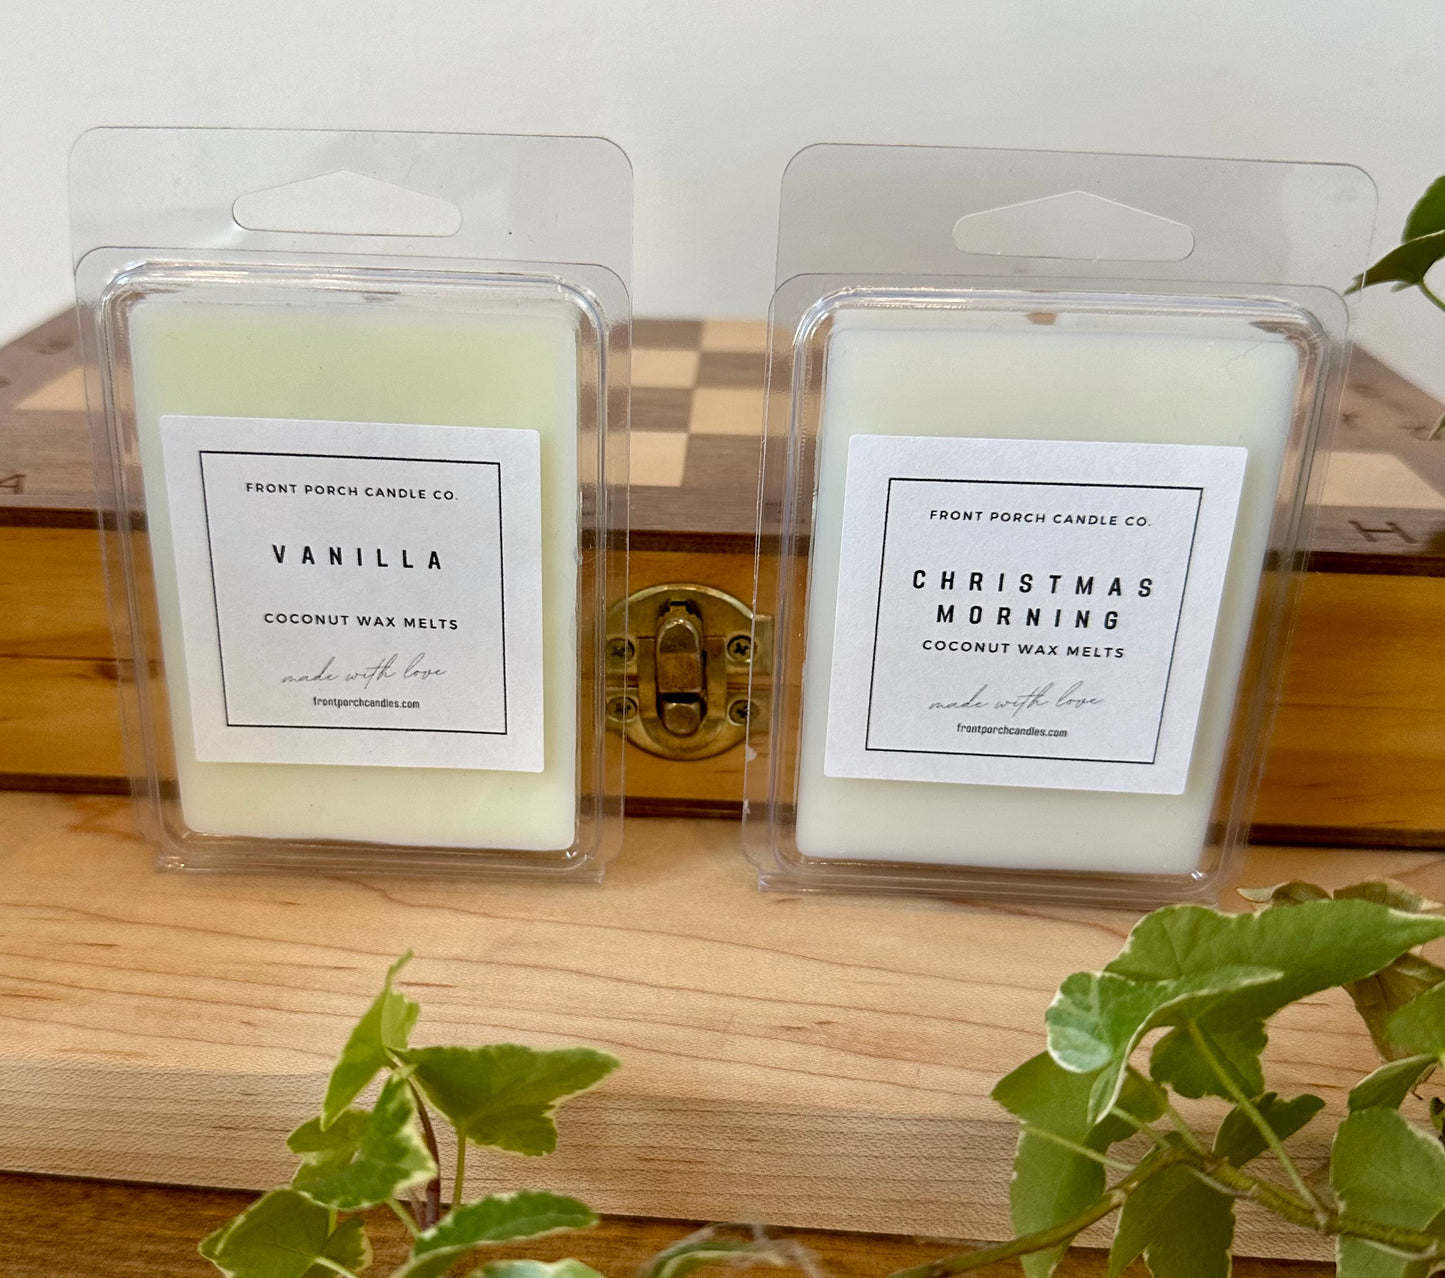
(360, 408)
(1042, 433)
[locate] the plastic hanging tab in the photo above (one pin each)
(1077, 226)
(347, 203)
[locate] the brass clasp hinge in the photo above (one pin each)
(685, 662)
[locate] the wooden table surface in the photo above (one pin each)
(814, 1062)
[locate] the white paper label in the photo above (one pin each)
(1027, 612)
(359, 593)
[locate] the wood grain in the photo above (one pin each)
(97, 1229)
(60, 718)
(818, 1062)
(1359, 739)
(52, 594)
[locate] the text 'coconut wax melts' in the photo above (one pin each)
(360, 407)
(1037, 460)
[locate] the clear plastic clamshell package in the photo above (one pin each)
(360, 404)
(1039, 450)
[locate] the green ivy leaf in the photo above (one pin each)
(1182, 1227)
(1387, 1171)
(282, 1235)
(1051, 1184)
(534, 1269)
(1375, 997)
(1294, 892)
(1391, 1083)
(1419, 1026)
(504, 1095)
(1389, 892)
(1142, 1100)
(1428, 215)
(500, 1218)
(348, 1246)
(372, 1160)
(1097, 1018)
(1240, 1141)
(1176, 1058)
(384, 1029)
(1406, 265)
(1378, 997)
(1314, 945)
(335, 1145)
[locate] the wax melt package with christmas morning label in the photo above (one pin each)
(1041, 440)
(360, 407)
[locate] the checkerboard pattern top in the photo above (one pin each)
(697, 415)
(696, 386)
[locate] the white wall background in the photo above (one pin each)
(710, 99)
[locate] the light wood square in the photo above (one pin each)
(66, 394)
(724, 410)
(664, 369)
(658, 458)
(1377, 479)
(734, 335)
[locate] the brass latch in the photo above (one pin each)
(681, 666)
(686, 660)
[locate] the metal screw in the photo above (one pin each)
(740, 648)
(740, 711)
(620, 650)
(622, 708)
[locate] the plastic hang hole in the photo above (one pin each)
(347, 203)
(1077, 226)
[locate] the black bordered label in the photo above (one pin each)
(1038, 612)
(358, 593)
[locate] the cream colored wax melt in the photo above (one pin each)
(1082, 379)
(509, 369)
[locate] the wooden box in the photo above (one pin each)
(1358, 743)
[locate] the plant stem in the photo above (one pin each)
(404, 1216)
(1141, 1127)
(1045, 1238)
(1221, 1174)
(1044, 1134)
(1409, 1242)
(1425, 288)
(432, 1202)
(1412, 1244)
(459, 1183)
(1271, 1137)
(1186, 1132)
